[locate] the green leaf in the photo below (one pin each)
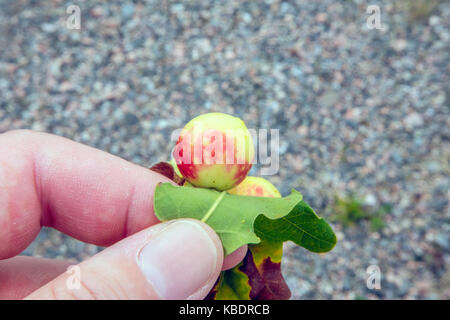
(302, 226)
(231, 216)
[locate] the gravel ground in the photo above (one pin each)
(359, 111)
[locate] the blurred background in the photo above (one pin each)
(363, 113)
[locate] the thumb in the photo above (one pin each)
(179, 259)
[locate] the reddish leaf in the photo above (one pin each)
(266, 280)
(212, 294)
(257, 277)
(167, 170)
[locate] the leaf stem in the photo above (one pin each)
(214, 206)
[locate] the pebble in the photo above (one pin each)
(413, 120)
(370, 200)
(127, 11)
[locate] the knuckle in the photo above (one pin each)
(85, 291)
(94, 286)
(61, 291)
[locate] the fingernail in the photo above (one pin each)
(179, 260)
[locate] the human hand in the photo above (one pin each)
(98, 198)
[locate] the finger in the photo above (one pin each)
(20, 276)
(234, 258)
(88, 194)
(180, 259)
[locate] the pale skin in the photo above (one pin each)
(97, 198)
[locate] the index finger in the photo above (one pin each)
(46, 180)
